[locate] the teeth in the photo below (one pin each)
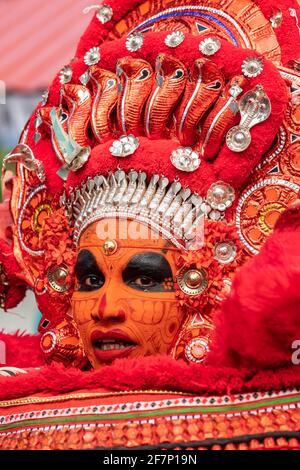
(106, 345)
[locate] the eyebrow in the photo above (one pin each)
(86, 264)
(148, 264)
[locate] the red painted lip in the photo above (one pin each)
(110, 355)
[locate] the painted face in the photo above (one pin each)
(124, 301)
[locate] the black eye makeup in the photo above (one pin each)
(148, 272)
(89, 277)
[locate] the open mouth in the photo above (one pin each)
(111, 345)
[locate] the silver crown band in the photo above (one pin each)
(165, 206)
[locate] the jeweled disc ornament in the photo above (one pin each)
(220, 196)
(110, 247)
(192, 281)
(57, 278)
(252, 67)
(238, 139)
(65, 75)
(196, 350)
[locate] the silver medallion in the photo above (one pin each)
(209, 46)
(92, 56)
(225, 252)
(220, 196)
(174, 39)
(238, 139)
(252, 67)
(65, 75)
(185, 159)
(134, 42)
(104, 14)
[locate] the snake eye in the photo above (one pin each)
(178, 74)
(110, 83)
(143, 75)
(215, 85)
(63, 117)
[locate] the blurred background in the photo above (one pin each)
(37, 39)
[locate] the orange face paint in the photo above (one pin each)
(121, 310)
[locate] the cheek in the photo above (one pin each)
(82, 309)
(156, 324)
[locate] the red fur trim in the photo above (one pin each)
(147, 373)
(22, 350)
(260, 320)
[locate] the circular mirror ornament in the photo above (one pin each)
(196, 350)
(192, 281)
(57, 278)
(225, 252)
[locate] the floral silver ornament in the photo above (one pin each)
(123, 147)
(185, 159)
(220, 196)
(65, 75)
(134, 42)
(104, 14)
(209, 46)
(175, 39)
(252, 67)
(225, 252)
(92, 56)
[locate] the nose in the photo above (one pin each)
(109, 310)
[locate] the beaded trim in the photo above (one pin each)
(277, 151)
(198, 407)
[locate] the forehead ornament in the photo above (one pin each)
(109, 247)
